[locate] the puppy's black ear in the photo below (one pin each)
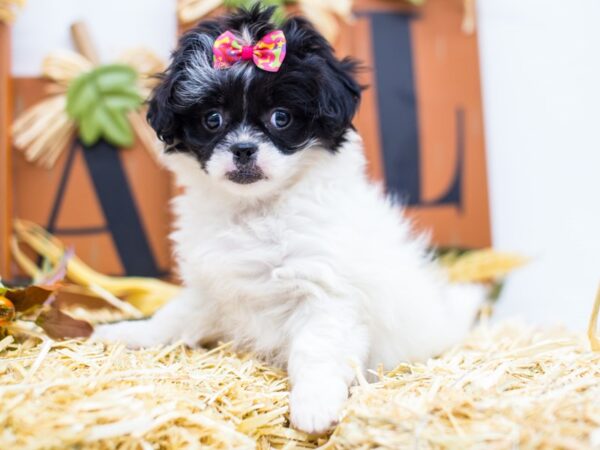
(340, 93)
(161, 114)
(183, 83)
(337, 91)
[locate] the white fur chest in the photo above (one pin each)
(245, 266)
(238, 259)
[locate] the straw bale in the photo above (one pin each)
(508, 386)
(98, 396)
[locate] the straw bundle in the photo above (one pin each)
(8, 9)
(507, 386)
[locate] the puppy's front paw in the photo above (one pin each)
(134, 334)
(315, 406)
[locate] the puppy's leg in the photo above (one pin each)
(185, 318)
(322, 353)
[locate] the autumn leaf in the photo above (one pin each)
(28, 298)
(39, 302)
(59, 325)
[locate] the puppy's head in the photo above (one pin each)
(247, 129)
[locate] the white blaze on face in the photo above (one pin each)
(277, 167)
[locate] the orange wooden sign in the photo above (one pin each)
(5, 154)
(110, 204)
(421, 117)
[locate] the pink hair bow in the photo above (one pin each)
(267, 54)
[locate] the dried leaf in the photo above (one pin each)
(59, 325)
(73, 296)
(28, 298)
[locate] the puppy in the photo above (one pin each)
(283, 245)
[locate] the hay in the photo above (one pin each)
(77, 393)
(507, 386)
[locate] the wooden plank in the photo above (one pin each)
(5, 151)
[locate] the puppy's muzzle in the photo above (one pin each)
(246, 170)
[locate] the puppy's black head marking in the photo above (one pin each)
(318, 91)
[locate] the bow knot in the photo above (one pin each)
(247, 52)
(267, 54)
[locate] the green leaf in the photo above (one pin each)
(114, 77)
(81, 96)
(115, 127)
(123, 101)
(89, 128)
(278, 14)
(99, 101)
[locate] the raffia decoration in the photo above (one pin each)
(326, 15)
(191, 10)
(43, 131)
(8, 9)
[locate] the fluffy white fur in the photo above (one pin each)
(312, 269)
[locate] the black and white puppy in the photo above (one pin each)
(283, 245)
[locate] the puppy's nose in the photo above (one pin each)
(243, 151)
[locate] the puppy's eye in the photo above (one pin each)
(280, 118)
(213, 120)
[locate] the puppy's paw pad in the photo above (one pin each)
(316, 408)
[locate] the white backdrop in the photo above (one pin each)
(541, 76)
(116, 25)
